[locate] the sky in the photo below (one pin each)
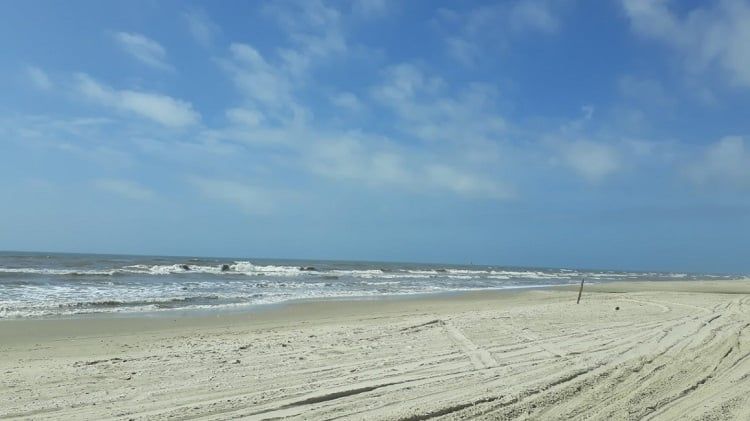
(580, 134)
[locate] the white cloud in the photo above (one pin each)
(268, 87)
(466, 183)
(244, 117)
(38, 78)
(645, 91)
(533, 15)
(271, 80)
(258, 80)
(593, 161)
(353, 157)
(588, 111)
(162, 109)
(315, 31)
(272, 113)
(492, 27)
(653, 19)
(426, 109)
(370, 8)
(405, 82)
(368, 159)
(250, 198)
(76, 137)
(716, 35)
(518, 16)
(594, 151)
(143, 49)
(102, 155)
(201, 27)
(125, 188)
(462, 50)
(347, 101)
(726, 161)
(377, 161)
(299, 15)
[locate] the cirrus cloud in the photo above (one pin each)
(125, 188)
(143, 49)
(162, 109)
(38, 78)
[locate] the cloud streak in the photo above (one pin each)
(143, 49)
(39, 78)
(125, 188)
(162, 109)
(201, 27)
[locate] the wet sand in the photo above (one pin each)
(672, 350)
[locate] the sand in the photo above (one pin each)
(673, 350)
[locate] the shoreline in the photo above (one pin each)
(251, 308)
(298, 310)
(229, 309)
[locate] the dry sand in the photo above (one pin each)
(673, 350)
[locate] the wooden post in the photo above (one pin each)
(580, 291)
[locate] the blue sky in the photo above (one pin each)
(538, 133)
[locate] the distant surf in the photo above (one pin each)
(43, 285)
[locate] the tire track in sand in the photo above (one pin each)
(480, 358)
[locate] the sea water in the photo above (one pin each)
(43, 284)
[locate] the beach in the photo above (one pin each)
(628, 351)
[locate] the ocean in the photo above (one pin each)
(36, 285)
